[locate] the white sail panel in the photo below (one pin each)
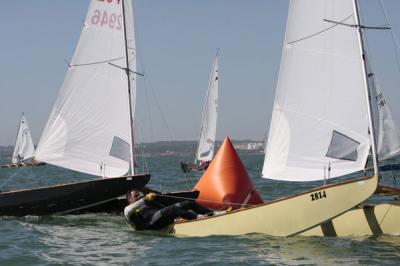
(386, 130)
(320, 116)
(88, 129)
(23, 149)
(205, 151)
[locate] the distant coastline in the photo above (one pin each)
(181, 148)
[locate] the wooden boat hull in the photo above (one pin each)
(284, 217)
(95, 195)
(365, 220)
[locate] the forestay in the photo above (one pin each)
(205, 151)
(23, 149)
(320, 115)
(89, 126)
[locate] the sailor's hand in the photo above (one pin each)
(150, 196)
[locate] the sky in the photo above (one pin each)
(176, 45)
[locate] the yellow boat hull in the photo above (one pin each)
(366, 220)
(284, 217)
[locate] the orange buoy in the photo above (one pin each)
(226, 182)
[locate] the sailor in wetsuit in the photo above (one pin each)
(145, 213)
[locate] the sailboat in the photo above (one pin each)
(368, 218)
(322, 126)
(205, 149)
(23, 148)
(90, 128)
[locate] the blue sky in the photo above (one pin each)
(176, 43)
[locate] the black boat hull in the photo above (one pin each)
(191, 167)
(76, 197)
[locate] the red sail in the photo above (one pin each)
(226, 182)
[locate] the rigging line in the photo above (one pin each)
(145, 167)
(386, 213)
(147, 84)
(171, 138)
(322, 31)
(96, 63)
(211, 201)
(149, 112)
(141, 148)
(395, 40)
(160, 110)
(11, 177)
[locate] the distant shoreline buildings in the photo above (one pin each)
(166, 148)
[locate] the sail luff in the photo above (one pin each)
(367, 90)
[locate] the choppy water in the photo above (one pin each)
(107, 240)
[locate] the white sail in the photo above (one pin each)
(23, 149)
(205, 151)
(320, 115)
(386, 130)
(89, 126)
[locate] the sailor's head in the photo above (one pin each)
(133, 196)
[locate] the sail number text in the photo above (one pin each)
(103, 19)
(318, 195)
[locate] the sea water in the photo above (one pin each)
(102, 239)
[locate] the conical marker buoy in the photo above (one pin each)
(226, 182)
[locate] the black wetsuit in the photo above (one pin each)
(145, 215)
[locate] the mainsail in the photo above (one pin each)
(320, 116)
(89, 127)
(205, 151)
(23, 149)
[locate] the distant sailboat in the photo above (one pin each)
(205, 149)
(90, 128)
(23, 149)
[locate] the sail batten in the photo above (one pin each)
(88, 129)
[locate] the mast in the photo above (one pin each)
(132, 161)
(367, 91)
